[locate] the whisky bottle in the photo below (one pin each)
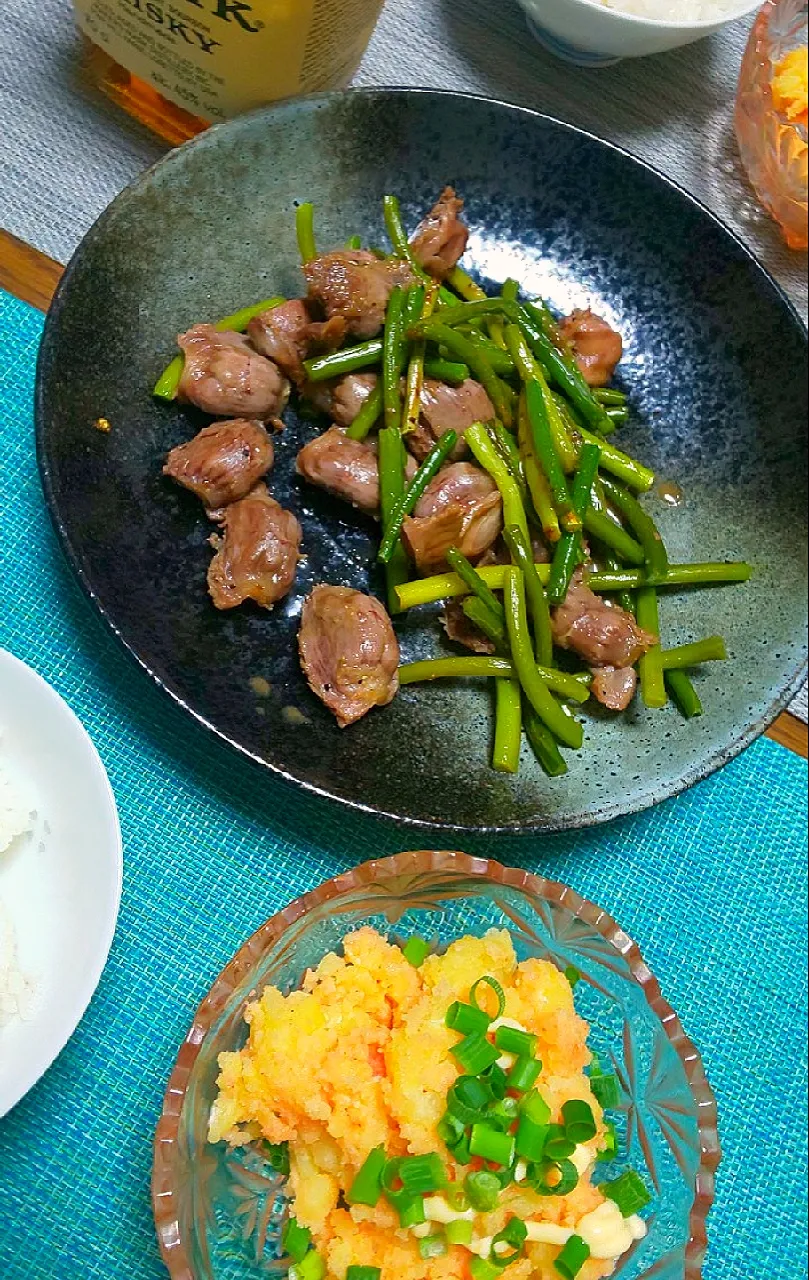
(180, 65)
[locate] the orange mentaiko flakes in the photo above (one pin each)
(790, 86)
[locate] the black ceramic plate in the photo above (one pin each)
(715, 365)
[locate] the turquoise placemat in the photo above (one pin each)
(711, 884)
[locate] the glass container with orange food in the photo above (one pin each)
(772, 114)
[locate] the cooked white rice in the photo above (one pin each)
(17, 991)
(15, 814)
(678, 11)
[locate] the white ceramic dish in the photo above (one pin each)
(60, 884)
(588, 34)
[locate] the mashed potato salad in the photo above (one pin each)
(441, 1125)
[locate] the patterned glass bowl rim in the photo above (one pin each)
(166, 1143)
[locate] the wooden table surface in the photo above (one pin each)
(33, 277)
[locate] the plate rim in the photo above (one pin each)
(410, 865)
(91, 976)
(609, 812)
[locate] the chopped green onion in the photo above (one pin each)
(467, 1099)
(496, 988)
(409, 1207)
(296, 1240)
(558, 1146)
(628, 1192)
(363, 1273)
(482, 1191)
(277, 1156)
(530, 1139)
(572, 1258)
(455, 1197)
(610, 1148)
(474, 1054)
(490, 1144)
(460, 1152)
(450, 1129)
(573, 976)
(512, 1237)
(481, 1269)
(535, 1108)
(606, 1090)
(567, 1180)
(503, 1113)
(410, 1210)
(524, 1074)
(506, 1175)
(520, 1043)
(467, 1019)
(433, 1247)
(312, 1267)
(498, 1082)
(422, 1174)
(459, 1233)
(367, 1186)
(416, 951)
(579, 1121)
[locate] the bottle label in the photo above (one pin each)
(217, 58)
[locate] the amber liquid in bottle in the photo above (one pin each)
(138, 98)
(179, 65)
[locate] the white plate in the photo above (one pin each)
(60, 884)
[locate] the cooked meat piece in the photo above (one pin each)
(459, 484)
(604, 635)
(223, 462)
(440, 240)
(257, 556)
(355, 285)
(596, 346)
(349, 395)
(459, 628)
(347, 468)
(348, 651)
(341, 398)
(445, 408)
(460, 508)
(225, 377)
(420, 442)
(288, 335)
(614, 686)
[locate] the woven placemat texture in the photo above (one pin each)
(711, 884)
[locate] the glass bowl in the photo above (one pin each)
(218, 1211)
(774, 149)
